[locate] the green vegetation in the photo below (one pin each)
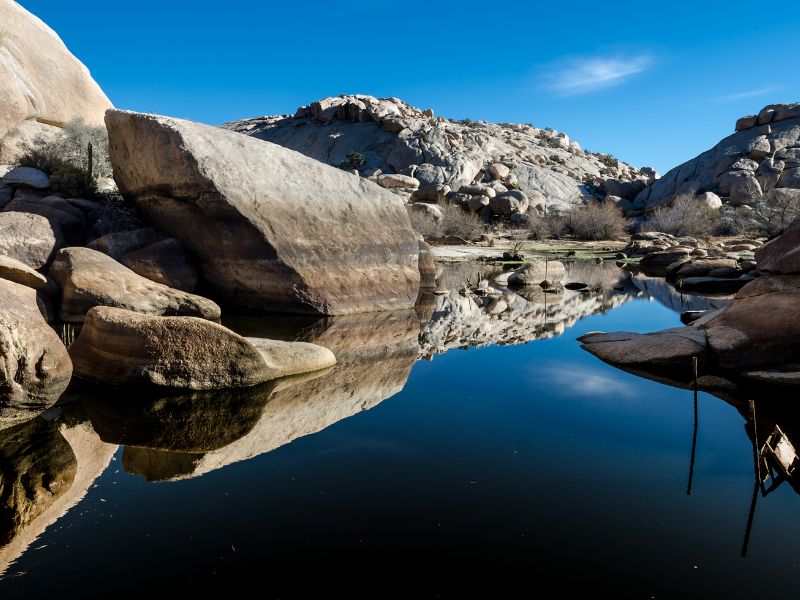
(557, 159)
(354, 160)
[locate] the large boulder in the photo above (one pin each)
(89, 278)
(29, 238)
(120, 243)
(118, 347)
(41, 84)
(34, 366)
(271, 229)
(18, 272)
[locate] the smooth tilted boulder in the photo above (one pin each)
(89, 278)
(34, 366)
(118, 347)
(271, 229)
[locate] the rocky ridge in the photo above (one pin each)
(423, 157)
(762, 158)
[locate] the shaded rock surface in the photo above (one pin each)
(34, 365)
(164, 262)
(117, 347)
(41, 83)
(270, 228)
(89, 278)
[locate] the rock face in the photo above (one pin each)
(762, 155)
(164, 262)
(34, 367)
(119, 347)
(89, 278)
(28, 238)
(394, 137)
(42, 85)
(18, 272)
(270, 228)
(758, 330)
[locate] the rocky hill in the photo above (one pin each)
(761, 156)
(408, 150)
(42, 85)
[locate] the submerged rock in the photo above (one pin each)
(118, 347)
(271, 229)
(89, 278)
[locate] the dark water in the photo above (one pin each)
(529, 464)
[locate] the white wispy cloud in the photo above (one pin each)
(588, 382)
(750, 94)
(580, 75)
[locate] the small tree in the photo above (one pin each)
(354, 160)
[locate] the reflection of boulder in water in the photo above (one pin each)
(375, 353)
(191, 422)
(47, 466)
(37, 466)
(473, 321)
(662, 291)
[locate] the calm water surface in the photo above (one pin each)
(522, 463)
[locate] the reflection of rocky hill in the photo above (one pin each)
(375, 354)
(46, 467)
(518, 317)
(665, 293)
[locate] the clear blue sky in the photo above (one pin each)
(652, 84)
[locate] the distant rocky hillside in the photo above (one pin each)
(429, 153)
(42, 85)
(761, 156)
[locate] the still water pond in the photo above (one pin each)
(453, 447)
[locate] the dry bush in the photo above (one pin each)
(458, 222)
(65, 158)
(775, 211)
(552, 226)
(685, 216)
(455, 222)
(596, 221)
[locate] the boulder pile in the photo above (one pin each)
(760, 160)
(754, 338)
(424, 158)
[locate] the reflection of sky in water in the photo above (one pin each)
(536, 461)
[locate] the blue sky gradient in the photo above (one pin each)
(651, 84)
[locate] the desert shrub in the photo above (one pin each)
(551, 226)
(455, 222)
(114, 214)
(608, 160)
(685, 216)
(354, 160)
(775, 211)
(458, 222)
(557, 159)
(65, 158)
(595, 221)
